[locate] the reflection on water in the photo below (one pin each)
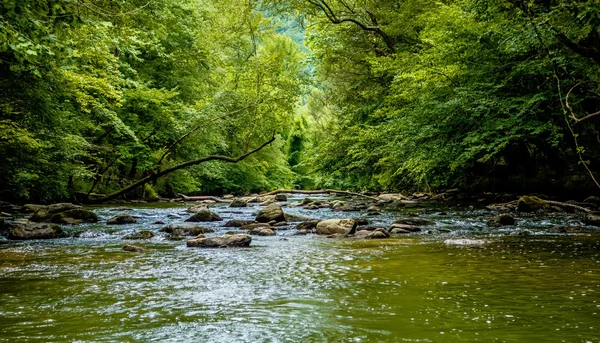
(515, 288)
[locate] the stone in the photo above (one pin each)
(238, 202)
(121, 219)
(32, 208)
(593, 218)
(221, 242)
(296, 218)
(308, 226)
(61, 207)
(281, 197)
(530, 204)
(307, 201)
(185, 229)
(378, 233)
(501, 220)
(140, 235)
(133, 248)
(337, 226)
(203, 214)
(373, 210)
(27, 231)
(270, 213)
(263, 232)
(75, 216)
(407, 227)
(414, 221)
(254, 226)
(238, 223)
(228, 196)
(368, 227)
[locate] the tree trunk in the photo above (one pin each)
(321, 191)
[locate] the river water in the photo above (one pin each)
(522, 285)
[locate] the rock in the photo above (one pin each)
(337, 226)
(414, 221)
(203, 214)
(592, 200)
(62, 207)
(501, 220)
(32, 208)
(397, 231)
(295, 218)
(197, 208)
(307, 201)
(26, 231)
(133, 248)
(221, 242)
(158, 222)
(280, 224)
(263, 232)
(228, 196)
(373, 210)
(238, 223)
(396, 204)
(75, 216)
(378, 233)
(362, 221)
(308, 226)
(121, 219)
(140, 235)
(238, 202)
(270, 213)
(254, 226)
(407, 227)
(593, 219)
(185, 229)
(337, 235)
(281, 197)
(368, 228)
(530, 204)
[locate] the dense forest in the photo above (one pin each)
(240, 96)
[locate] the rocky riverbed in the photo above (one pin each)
(316, 268)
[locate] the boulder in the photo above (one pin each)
(33, 208)
(121, 219)
(221, 242)
(307, 226)
(272, 212)
(140, 235)
(368, 227)
(373, 210)
(378, 233)
(133, 248)
(337, 226)
(530, 204)
(61, 207)
(75, 216)
(281, 197)
(501, 220)
(238, 223)
(254, 226)
(26, 231)
(238, 202)
(185, 229)
(307, 201)
(263, 232)
(414, 221)
(398, 231)
(295, 218)
(593, 219)
(406, 227)
(203, 214)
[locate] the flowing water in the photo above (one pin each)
(522, 285)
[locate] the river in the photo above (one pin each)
(522, 285)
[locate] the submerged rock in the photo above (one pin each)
(238, 223)
(221, 242)
(337, 226)
(378, 233)
(185, 229)
(133, 248)
(140, 235)
(121, 219)
(272, 212)
(26, 231)
(501, 220)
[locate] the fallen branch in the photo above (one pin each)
(156, 175)
(202, 197)
(567, 205)
(321, 191)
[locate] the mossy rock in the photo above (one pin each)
(531, 204)
(75, 216)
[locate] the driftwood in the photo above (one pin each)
(202, 197)
(321, 191)
(567, 205)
